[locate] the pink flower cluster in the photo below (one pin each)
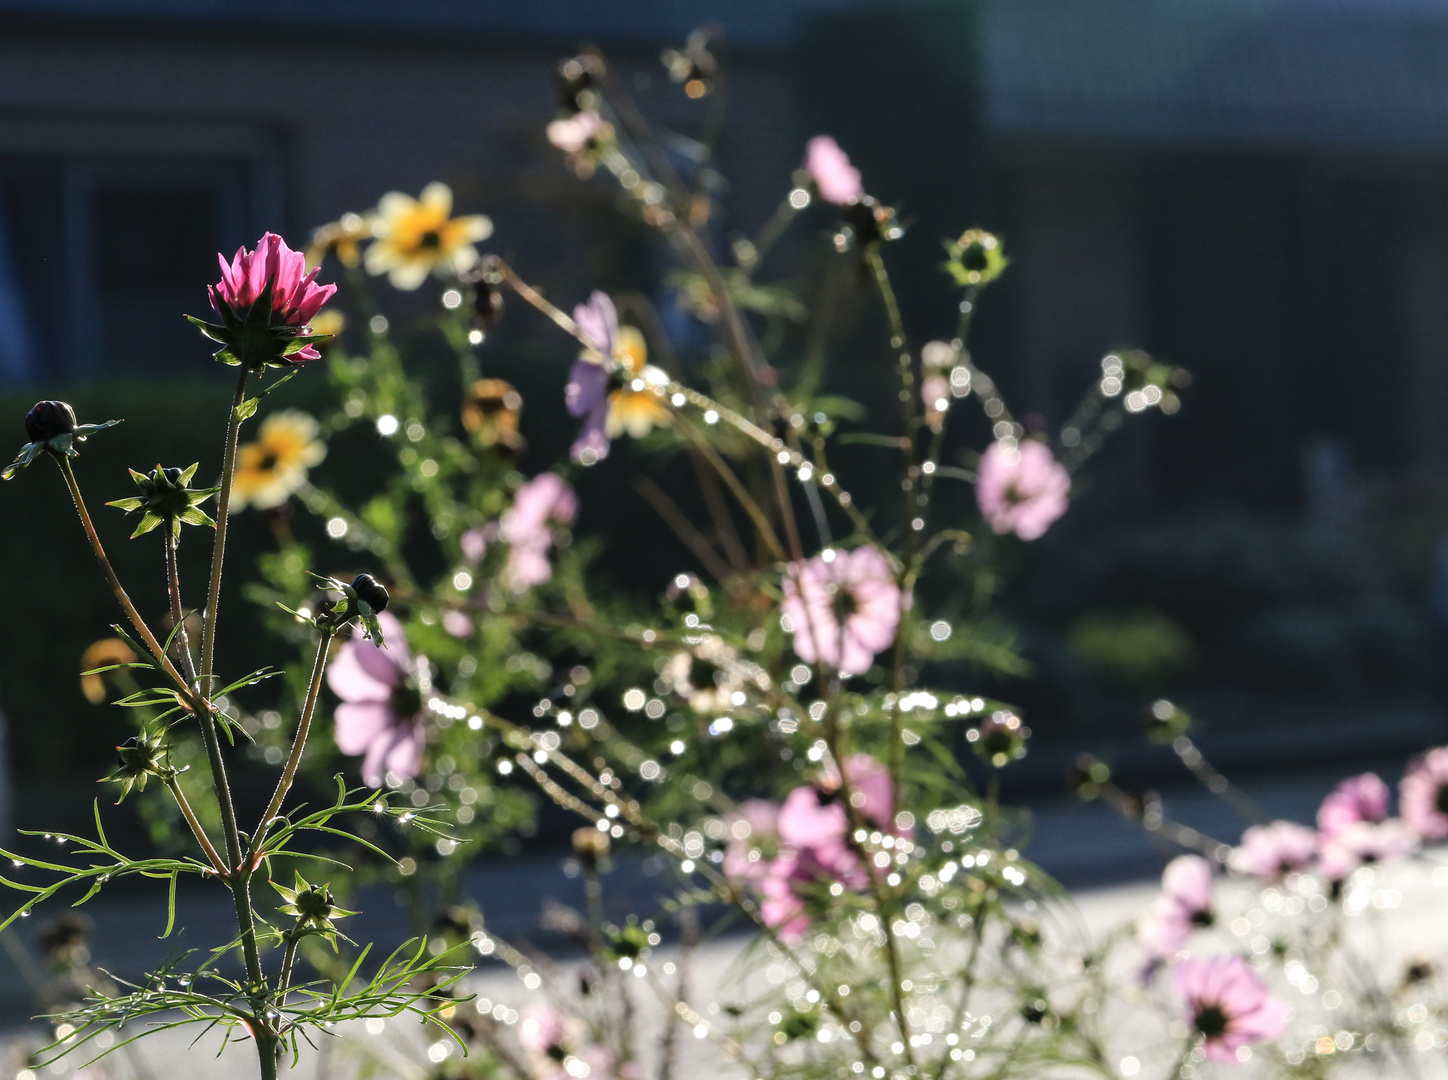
(543, 503)
(784, 851)
(1353, 826)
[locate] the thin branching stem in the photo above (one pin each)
(218, 549)
(299, 742)
(196, 828)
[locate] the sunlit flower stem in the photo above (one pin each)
(218, 549)
(147, 637)
(196, 828)
(289, 958)
(1206, 773)
(299, 743)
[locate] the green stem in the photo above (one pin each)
(147, 637)
(196, 829)
(288, 959)
(218, 549)
(299, 743)
(173, 591)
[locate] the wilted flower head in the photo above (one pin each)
(381, 712)
(1358, 798)
(266, 298)
(416, 237)
(272, 469)
(1423, 794)
(1021, 488)
(1274, 850)
(1184, 904)
(843, 607)
(491, 413)
(829, 167)
(1228, 1006)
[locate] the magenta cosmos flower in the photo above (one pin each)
(540, 504)
(1423, 794)
(381, 712)
(254, 335)
(1021, 489)
(842, 607)
(829, 167)
(1275, 850)
(1184, 905)
(1358, 798)
(1228, 1005)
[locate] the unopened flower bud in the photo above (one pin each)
(370, 592)
(48, 419)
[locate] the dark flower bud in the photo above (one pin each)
(49, 419)
(370, 592)
(486, 306)
(591, 847)
(172, 474)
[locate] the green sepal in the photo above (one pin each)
(64, 443)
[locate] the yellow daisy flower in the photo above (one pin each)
(342, 238)
(416, 237)
(269, 470)
(638, 405)
(101, 654)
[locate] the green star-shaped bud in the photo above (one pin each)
(140, 758)
(976, 258)
(52, 428)
(165, 498)
(313, 907)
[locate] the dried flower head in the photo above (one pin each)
(491, 413)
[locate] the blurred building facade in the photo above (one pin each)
(1254, 189)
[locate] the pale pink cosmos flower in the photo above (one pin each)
(1358, 798)
(571, 134)
(843, 607)
(1423, 794)
(1275, 850)
(1021, 489)
(870, 788)
(781, 907)
(814, 827)
(458, 624)
(1228, 1005)
(381, 712)
(541, 503)
(296, 297)
(829, 167)
(753, 835)
(1184, 904)
(1365, 843)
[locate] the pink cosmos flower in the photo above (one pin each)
(752, 832)
(871, 789)
(1275, 850)
(458, 624)
(815, 828)
(1021, 489)
(781, 906)
(474, 545)
(1364, 843)
(829, 167)
(544, 501)
(381, 712)
(1423, 794)
(1184, 904)
(1228, 1005)
(296, 296)
(843, 607)
(1358, 798)
(573, 133)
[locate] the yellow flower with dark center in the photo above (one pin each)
(271, 469)
(638, 405)
(491, 412)
(103, 653)
(416, 237)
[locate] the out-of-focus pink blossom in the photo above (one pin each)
(1358, 798)
(1021, 488)
(843, 607)
(1275, 850)
(1365, 843)
(1184, 904)
(541, 503)
(870, 788)
(571, 134)
(829, 167)
(586, 394)
(815, 828)
(1423, 794)
(296, 297)
(380, 715)
(780, 906)
(474, 545)
(458, 624)
(935, 395)
(753, 839)
(1228, 1005)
